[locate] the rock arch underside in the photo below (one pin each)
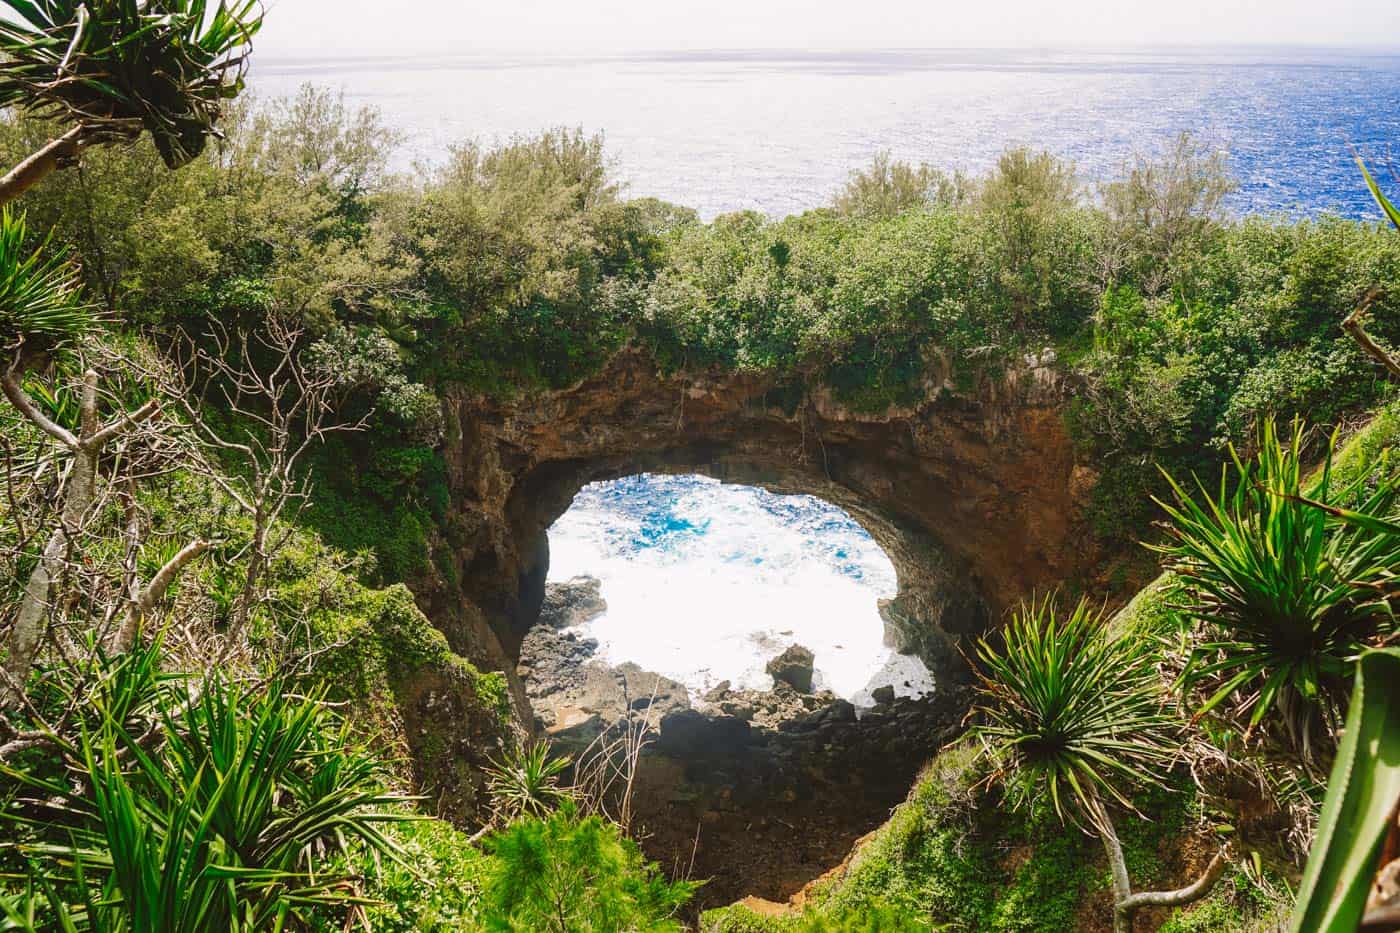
(975, 495)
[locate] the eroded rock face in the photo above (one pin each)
(572, 602)
(973, 494)
(793, 667)
(574, 696)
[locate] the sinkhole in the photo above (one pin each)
(666, 599)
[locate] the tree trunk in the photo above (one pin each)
(29, 627)
(34, 169)
(1125, 902)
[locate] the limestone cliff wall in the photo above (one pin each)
(974, 494)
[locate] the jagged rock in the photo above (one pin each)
(793, 667)
(644, 690)
(552, 661)
(883, 695)
(691, 733)
(573, 602)
(738, 709)
(841, 711)
(717, 692)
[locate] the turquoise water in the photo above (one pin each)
(706, 581)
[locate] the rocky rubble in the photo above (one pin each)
(574, 696)
(741, 768)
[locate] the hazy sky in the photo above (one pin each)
(334, 26)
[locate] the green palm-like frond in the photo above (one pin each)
(526, 782)
(1067, 709)
(238, 820)
(40, 290)
(1392, 213)
(1288, 589)
(118, 67)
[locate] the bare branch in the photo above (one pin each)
(1354, 325)
(21, 400)
(147, 597)
(124, 423)
(1187, 895)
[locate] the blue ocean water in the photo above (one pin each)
(779, 131)
(706, 581)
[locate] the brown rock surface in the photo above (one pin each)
(972, 494)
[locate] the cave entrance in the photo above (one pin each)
(706, 582)
(668, 597)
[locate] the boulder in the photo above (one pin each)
(691, 733)
(793, 667)
(717, 693)
(883, 695)
(573, 602)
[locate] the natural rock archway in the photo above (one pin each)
(972, 494)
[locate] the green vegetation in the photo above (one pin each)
(1070, 709)
(1287, 594)
(118, 68)
(228, 823)
(953, 857)
(1360, 807)
(40, 293)
(526, 782)
(565, 873)
(521, 268)
(158, 520)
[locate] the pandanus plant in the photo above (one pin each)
(1285, 594)
(113, 69)
(40, 289)
(185, 805)
(1069, 711)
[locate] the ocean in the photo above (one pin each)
(779, 131)
(706, 581)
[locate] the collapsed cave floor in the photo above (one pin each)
(759, 792)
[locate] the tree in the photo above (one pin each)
(1023, 199)
(40, 303)
(890, 186)
(114, 69)
(564, 873)
(280, 403)
(1066, 709)
(1162, 209)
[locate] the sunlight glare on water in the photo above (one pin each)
(778, 131)
(706, 581)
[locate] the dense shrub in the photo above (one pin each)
(567, 873)
(521, 267)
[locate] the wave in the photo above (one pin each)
(706, 581)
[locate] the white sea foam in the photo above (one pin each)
(707, 581)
